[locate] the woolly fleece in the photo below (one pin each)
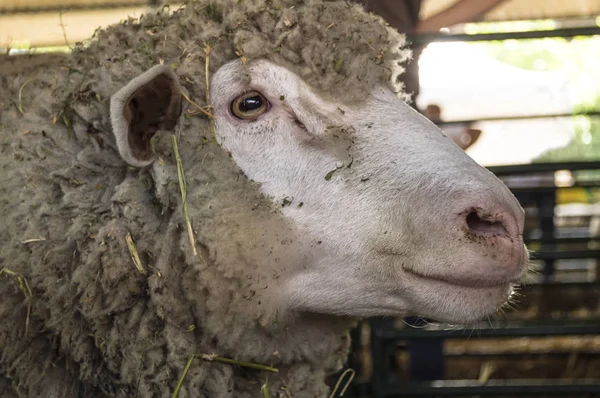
(98, 327)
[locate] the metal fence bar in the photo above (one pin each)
(83, 6)
(520, 117)
(424, 39)
(538, 328)
(494, 387)
(542, 167)
(513, 355)
(564, 241)
(548, 254)
(587, 284)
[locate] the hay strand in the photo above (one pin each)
(188, 365)
(337, 385)
(64, 31)
(265, 390)
(485, 372)
(207, 76)
(134, 254)
(198, 107)
(23, 287)
(182, 187)
(33, 240)
(216, 358)
(20, 104)
(285, 388)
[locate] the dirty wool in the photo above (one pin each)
(119, 299)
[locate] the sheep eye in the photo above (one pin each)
(249, 105)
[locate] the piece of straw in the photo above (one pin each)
(206, 72)
(33, 240)
(64, 31)
(134, 254)
(182, 378)
(337, 385)
(20, 104)
(24, 287)
(285, 388)
(182, 187)
(265, 390)
(198, 107)
(216, 358)
(486, 370)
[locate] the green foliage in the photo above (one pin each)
(577, 59)
(583, 146)
(509, 26)
(538, 55)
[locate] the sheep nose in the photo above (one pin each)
(495, 231)
(491, 223)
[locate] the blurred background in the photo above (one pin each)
(516, 84)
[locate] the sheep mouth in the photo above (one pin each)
(471, 283)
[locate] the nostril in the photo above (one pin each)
(480, 226)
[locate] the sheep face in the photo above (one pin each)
(399, 220)
(402, 220)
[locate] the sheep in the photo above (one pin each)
(234, 178)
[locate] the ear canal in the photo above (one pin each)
(149, 102)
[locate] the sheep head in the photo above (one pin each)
(392, 217)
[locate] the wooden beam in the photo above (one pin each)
(45, 29)
(18, 6)
(460, 12)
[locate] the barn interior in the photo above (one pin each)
(516, 84)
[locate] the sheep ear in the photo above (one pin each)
(149, 102)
